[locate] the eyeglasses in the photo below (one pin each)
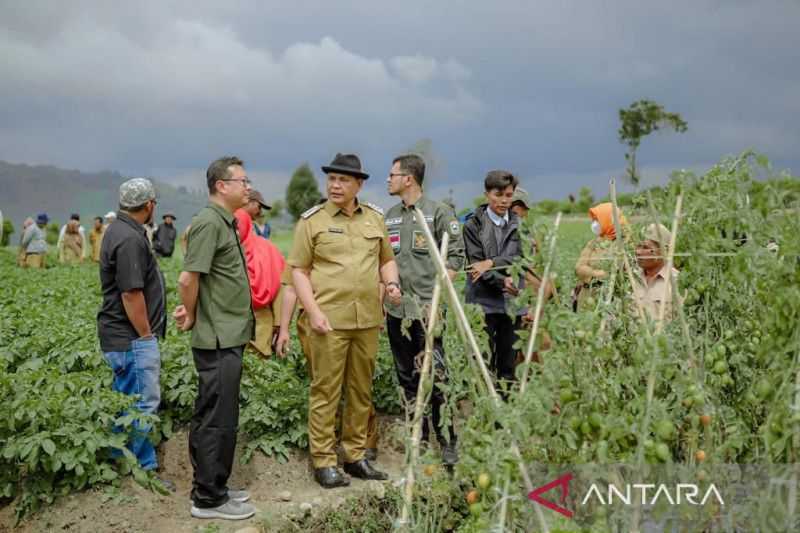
(244, 181)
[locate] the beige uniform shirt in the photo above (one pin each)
(344, 255)
(650, 293)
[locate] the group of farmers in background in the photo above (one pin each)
(353, 270)
(74, 246)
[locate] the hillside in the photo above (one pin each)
(26, 190)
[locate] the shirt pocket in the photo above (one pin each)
(332, 246)
(371, 239)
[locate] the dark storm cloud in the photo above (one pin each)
(152, 87)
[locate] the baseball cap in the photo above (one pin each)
(136, 192)
(256, 196)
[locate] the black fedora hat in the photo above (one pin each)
(348, 164)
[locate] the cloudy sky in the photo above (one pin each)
(161, 88)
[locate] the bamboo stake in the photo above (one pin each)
(539, 304)
(476, 353)
(422, 395)
(501, 522)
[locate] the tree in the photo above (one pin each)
(639, 120)
(585, 200)
(302, 192)
(277, 209)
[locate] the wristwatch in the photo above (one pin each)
(393, 283)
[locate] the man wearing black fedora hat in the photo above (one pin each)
(165, 235)
(340, 259)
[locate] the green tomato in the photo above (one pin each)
(763, 388)
(665, 429)
(720, 367)
(566, 396)
(586, 429)
(662, 452)
(596, 420)
(721, 350)
(574, 423)
(602, 450)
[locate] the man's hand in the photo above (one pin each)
(600, 274)
(476, 270)
(282, 342)
(394, 294)
(509, 286)
(182, 318)
(319, 323)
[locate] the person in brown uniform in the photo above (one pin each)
(340, 256)
(96, 238)
(287, 308)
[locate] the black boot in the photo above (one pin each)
(330, 477)
(363, 470)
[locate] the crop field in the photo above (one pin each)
(718, 385)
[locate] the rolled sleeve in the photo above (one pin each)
(302, 252)
(131, 258)
(386, 252)
(200, 249)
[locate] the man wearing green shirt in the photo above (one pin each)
(215, 292)
(417, 278)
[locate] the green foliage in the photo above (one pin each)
(302, 192)
(58, 387)
(639, 120)
(8, 229)
(585, 200)
(277, 209)
(587, 401)
(51, 233)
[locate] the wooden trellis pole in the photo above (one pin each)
(539, 304)
(476, 353)
(422, 396)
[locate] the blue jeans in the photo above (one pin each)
(136, 371)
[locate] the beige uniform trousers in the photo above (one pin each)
(35, 261)
(342, 363)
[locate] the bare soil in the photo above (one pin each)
(131, 508)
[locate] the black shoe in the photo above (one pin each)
(370, 454)
(449, 453)
(330, 477)
(363, 470)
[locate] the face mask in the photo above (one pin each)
(595, 227)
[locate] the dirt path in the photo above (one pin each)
(130, 508)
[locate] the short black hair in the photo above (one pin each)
(99, 219)
(75, 216)
(413, 164)
(499, 180)
(220, 170)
